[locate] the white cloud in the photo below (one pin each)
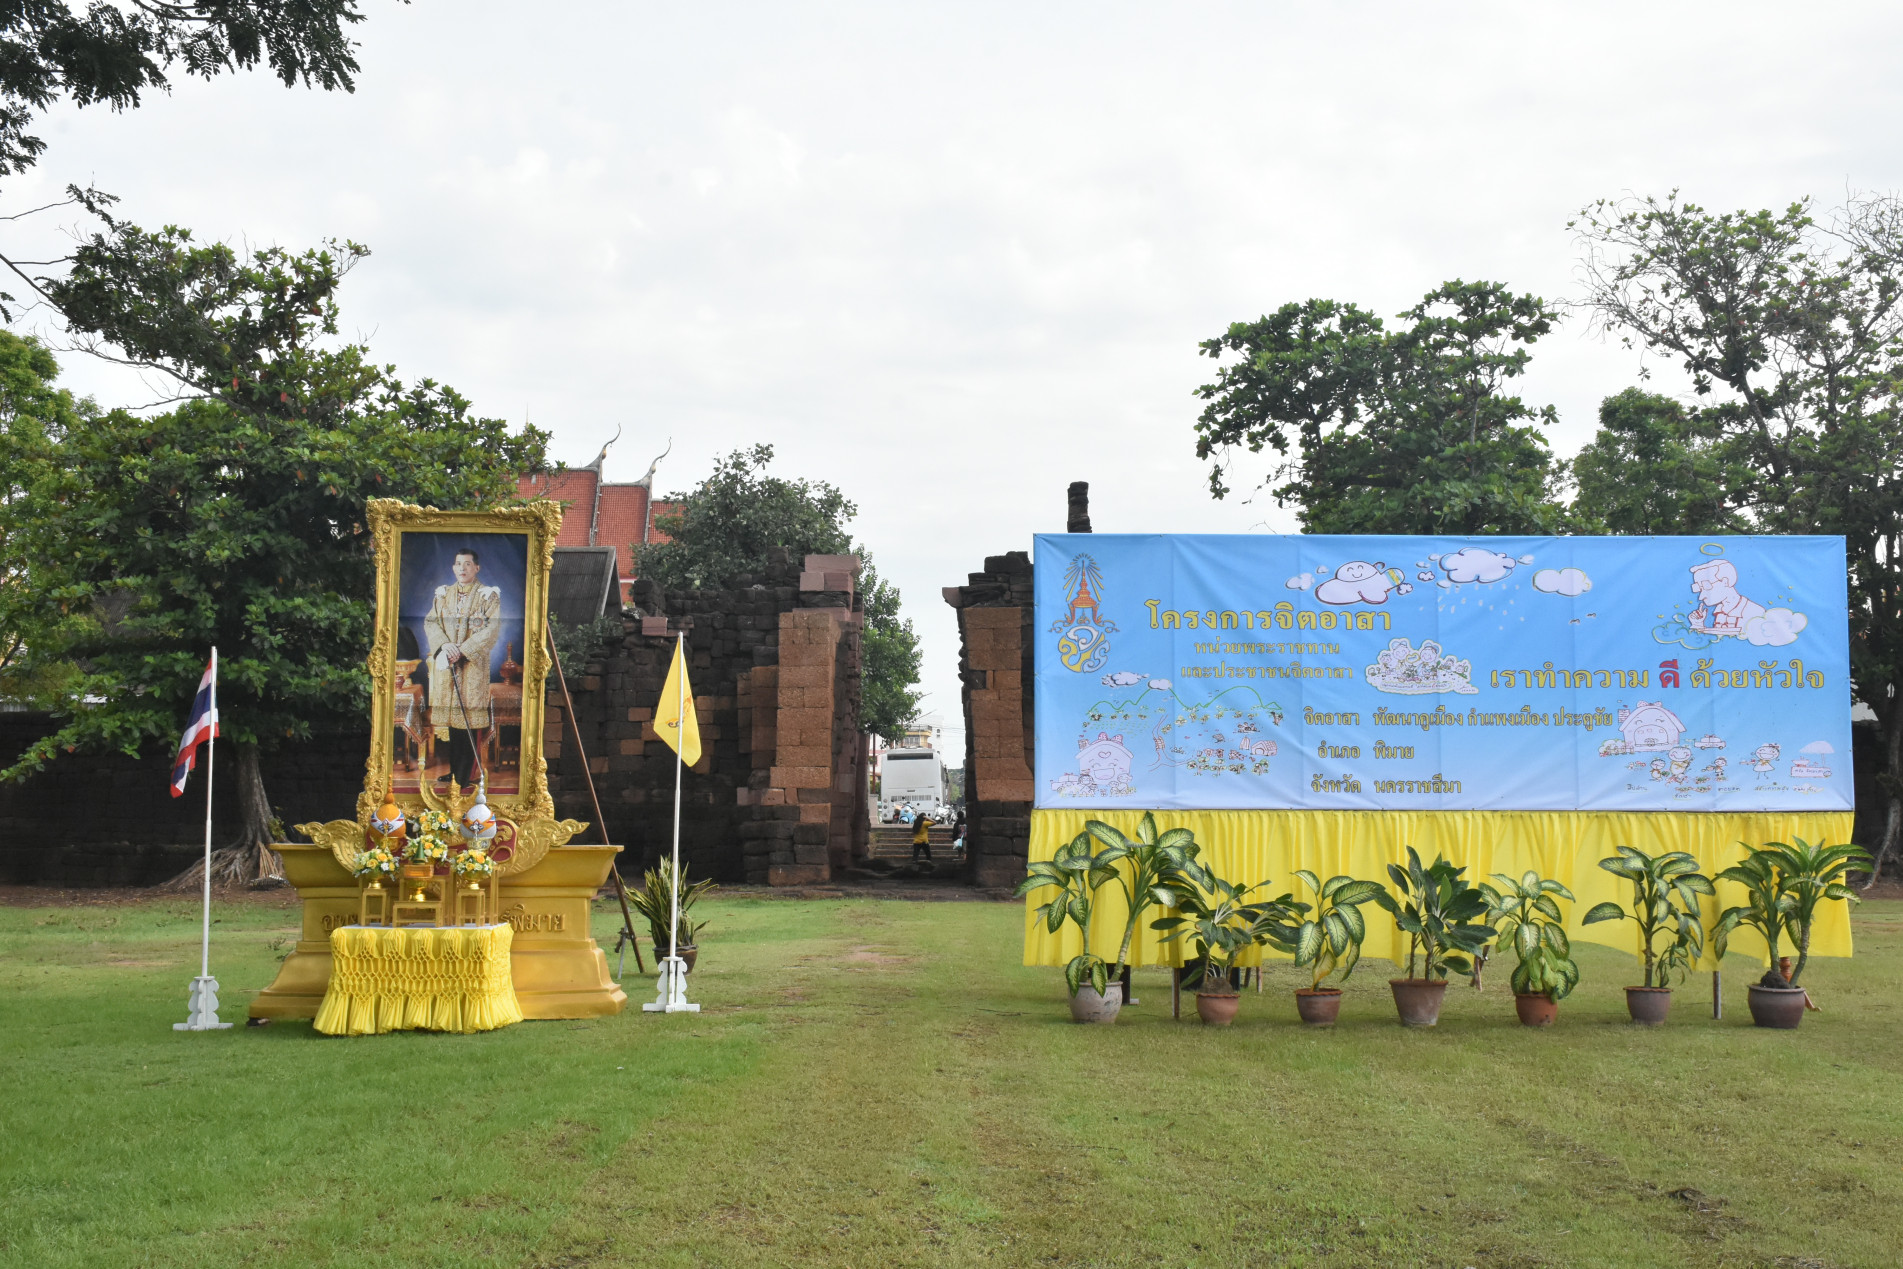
(1302, 582)
(1775, 628)
(1818, 746)
(1570, 582)
(1122, 678)
(1526, 559)
(1476, 564)
(1160, 685)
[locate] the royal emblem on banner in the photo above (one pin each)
(1083, 631)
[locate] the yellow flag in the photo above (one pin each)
(678, 726)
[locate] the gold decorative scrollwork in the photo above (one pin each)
(532, 809)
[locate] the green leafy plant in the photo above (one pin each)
(1665, 894)
(1326, 936)
(654, 900)
(1808, 875)
(1153, 858)
(1220, 917)
(1766, 909)
(1441, 913)
(1078, 873)
(1526, 919)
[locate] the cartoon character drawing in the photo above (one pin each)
(1359, 582)
(1681, 763)
(1105, 760)
(1721, 609)
(1658, 768)
(1717, 768)
(1649, 726)
(1764, 758)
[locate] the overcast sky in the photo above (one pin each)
(952, 259)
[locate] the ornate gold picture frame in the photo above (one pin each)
(501, 712)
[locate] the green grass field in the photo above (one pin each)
(880, 1083)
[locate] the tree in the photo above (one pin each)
(727, 524)
(1654, 468)
(1792, 335)
(112, 53)
(730, 521)
(1390, 431)
(236, 519)
(891, 656)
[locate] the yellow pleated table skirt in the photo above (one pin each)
(418, 978)
(1252, 846)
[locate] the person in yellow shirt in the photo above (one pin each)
(922, 837)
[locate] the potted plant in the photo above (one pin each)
(654, 900)
(1218, 915)
(1153, 858)
(1784, 884)
(1078, 873)
(1527, 921)
(1665, 894)
(1325, 937)
(1442, 915)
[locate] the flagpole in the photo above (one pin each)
(211, 746)
(680, 761)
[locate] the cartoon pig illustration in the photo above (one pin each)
(1105, 760)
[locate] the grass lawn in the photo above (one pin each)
(880, 1083)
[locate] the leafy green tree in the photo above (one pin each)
(112, 53)
(1655, 468)
(1791, 331)
(892, 659)
(1379, 430)
(723, 531)
(236, 519)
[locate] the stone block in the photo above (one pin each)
(787, 777)
(797, 874)
(816, 812)
(773, 797)
(813, 854)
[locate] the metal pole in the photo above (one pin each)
(1717, 994)
(211, 745)
(601, 822)
(680, 726)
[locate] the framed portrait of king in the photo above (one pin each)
(459, 661)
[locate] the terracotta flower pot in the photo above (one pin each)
(1320, 1006)
(1780, 1007)
(1648, 1005)
(1218, 1008)
(1536, 1009)
(688, 952)
(1418, 1000)
(1088, 1006)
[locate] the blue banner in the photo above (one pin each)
(1420, 673)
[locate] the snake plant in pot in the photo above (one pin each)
(1325, 938)
(1443, 916)
(1220, 918)
(1665, 891)
(1144, 866)
(1078, 873)
(1526, 917)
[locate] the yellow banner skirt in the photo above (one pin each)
(1252, 846)
(418, 978)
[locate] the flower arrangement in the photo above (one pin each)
(473, 863)
(374, 863)
(429, 838)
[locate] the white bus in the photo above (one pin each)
(911, 777)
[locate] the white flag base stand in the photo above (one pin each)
(203, 1007)
(672, 996)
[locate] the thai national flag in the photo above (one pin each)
(202, 727)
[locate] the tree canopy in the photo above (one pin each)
(1791, 331)
(726, 525)
(1403, 430)
(237, 519)
(1655, 467)
(111, 53)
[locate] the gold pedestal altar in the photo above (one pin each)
(559, 969)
